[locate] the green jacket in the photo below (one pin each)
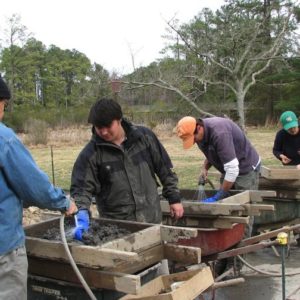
(122, 179)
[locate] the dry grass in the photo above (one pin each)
(67, 143)
(70, 136)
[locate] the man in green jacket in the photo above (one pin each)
(119, 167)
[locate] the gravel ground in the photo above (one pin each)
(261, 287)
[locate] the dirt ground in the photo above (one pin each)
(262, 287)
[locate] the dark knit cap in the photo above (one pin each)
(4, 91)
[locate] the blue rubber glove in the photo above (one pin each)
(221, 194)
(82, 220)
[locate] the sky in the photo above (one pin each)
(108, 32)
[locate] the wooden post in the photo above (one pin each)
(52, 165)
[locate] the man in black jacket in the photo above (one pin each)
(118, 167)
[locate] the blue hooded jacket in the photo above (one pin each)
(21, 183)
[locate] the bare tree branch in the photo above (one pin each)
(165, 85)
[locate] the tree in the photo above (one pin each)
(232, 45)
(218, 57)
(99, 82)
(15, 36)
(30, 84)
(167, 75)
(289, 83)
(66, 71)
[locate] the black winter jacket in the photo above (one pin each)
(289, 145)
(122, 179)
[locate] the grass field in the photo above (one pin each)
(67, 144)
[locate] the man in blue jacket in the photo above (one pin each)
(21, 183)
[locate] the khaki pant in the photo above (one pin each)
(249, 181)
(13, 275)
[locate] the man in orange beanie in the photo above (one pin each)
(225, 147)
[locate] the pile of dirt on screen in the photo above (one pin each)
(96, 235)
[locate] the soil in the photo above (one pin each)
(95, 236)
(32, 215)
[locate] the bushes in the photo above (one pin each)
(20, 119)
(37, 132)
(15, 120)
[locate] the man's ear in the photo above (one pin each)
(200, 131)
